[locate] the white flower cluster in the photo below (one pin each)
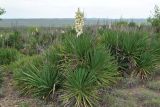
(79, 22)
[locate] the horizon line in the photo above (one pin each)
(72, 18)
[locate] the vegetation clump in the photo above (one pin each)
(155, 20)
(134, 51)
(80, 65)
(8, 55)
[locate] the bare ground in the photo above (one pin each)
(11, 98)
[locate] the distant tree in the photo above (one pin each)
(2, 11)
(155, 19)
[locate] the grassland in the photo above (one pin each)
(107, 66)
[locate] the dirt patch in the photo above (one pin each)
(10, 97)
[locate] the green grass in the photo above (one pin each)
(8, 55)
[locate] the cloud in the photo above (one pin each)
(66, 8)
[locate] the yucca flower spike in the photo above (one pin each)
(79, 22)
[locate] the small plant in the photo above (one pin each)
(41, 83)
(8, 55)
(80, 89)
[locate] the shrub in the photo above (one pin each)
(39, 83)
(37, 41)
(35, 78)
(8, 55)
(135, 52)
(76, 56)
(12, 40)
(80, 88)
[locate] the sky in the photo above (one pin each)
(66, 8)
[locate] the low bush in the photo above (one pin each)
(8, 55)
(80, 88)
(34, 77)
(40, 83)
(12, 40)
(135, 52)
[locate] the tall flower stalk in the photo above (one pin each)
(79, 22)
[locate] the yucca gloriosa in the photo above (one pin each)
(35, 76)
(80, 55)
(40, 83)
(135, 51)
(80, 89)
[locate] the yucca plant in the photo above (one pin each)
(132, 50)
(78, 46)
(85, 52)
(40, 83)
(103, 64)
(97, 63)
(146, 64)
(80, 89)
(35, 76)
